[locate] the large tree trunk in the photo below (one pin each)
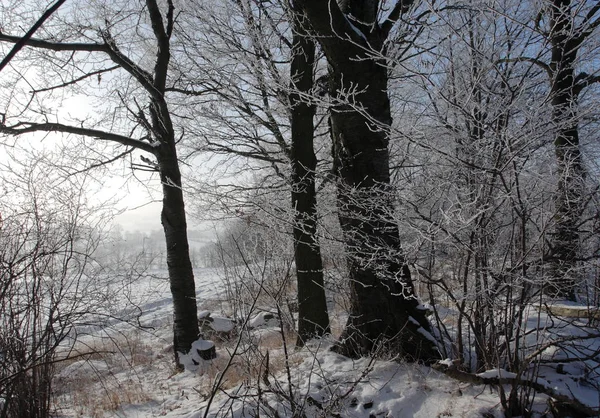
(385, 316)
(570, 188)
(313, 318)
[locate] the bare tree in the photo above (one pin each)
(477, 199)
(80, 54)
(567, 39)
(567, 28)
(260, 67)
(48, 234)
(313, 319)
(385, 311)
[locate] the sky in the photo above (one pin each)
(139, 213)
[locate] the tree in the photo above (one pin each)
(567, 39)
(261, 112)
(313, 319)
(48, 280)
(469, 190)
(89, 54)
(385, 313)
(567, 28)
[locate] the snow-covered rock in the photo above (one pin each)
(215, 326)
(263, 319)
(201, 351)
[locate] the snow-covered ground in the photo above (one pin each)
(132, 374)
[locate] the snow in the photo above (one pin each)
(446, 362)
(202, 345)
(216, 323)
(85, 368)
(140, 380)
(262, 319)
(222, 324)
(192, 361)
(355, 29)
(497, 373)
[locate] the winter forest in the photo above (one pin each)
(404, 197)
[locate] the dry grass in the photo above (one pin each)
(94, 392)
(91, 398)
(249, 365)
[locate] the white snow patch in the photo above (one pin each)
(192, 360)
(446, 362)
(222, 324)
(262, 319)
(85, 368)
(497, 373)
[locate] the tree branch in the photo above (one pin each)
(109, 47)
(535, 61)
(103, 163)
(399, 9)
(27, 127)
(332, 28)
(141, 75)
(589, 16)
(22, 42)
(78, 79)
(191, 92)
(584, 80)
(162, 40)
(56, 46)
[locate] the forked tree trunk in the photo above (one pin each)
(313, 318)
(385, 316)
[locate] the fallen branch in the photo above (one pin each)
(450, 369)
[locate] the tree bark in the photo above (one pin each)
(313, 318)
(571, 173)
(385, 315)
(181, 274)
